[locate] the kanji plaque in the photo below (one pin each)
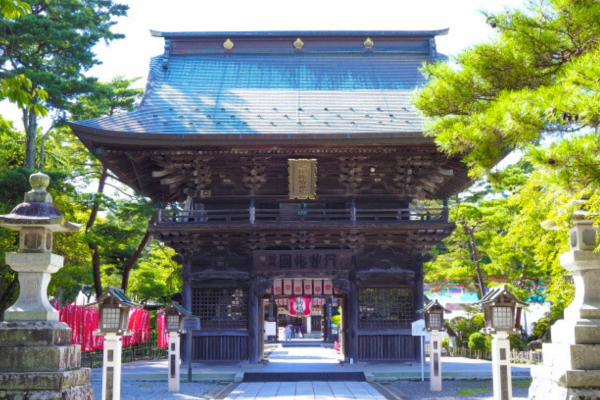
(302, 178)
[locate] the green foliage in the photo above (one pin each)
(477, 341)
(540, 328)
(51, 48)
(11, 9)
(535, 78)
(466, 326)
(108, 98)
(336, 318)
(515, 342)
(16, 87)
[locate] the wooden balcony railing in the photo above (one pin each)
(256, 216)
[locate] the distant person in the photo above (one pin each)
(299, 330)
(288, 333)
(293, 328)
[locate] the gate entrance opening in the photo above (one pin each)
(303, 311)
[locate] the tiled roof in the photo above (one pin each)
(308, 93)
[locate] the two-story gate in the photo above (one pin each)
(281, 156)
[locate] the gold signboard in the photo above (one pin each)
(302, 178)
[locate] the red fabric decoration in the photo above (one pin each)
(299, 305)
(84, 321)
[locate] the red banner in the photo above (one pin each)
(299, 305)
(84, 321)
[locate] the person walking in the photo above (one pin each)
(288, 333)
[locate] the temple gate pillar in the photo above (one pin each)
(254, 329)
(352, 313)
(186, 302)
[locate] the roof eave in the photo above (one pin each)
(426, 33)
(96, 135)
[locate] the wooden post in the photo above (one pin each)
(254, 330)
(352, 329)
(419, 298)
(186, 300)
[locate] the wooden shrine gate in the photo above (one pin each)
(377, 305)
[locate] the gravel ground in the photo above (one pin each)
(460, 390)
(157, 390)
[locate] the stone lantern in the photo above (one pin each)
(434, 316)
(38, 359)
(174, 317)
(434, 323)
(502, 312)
(113, 306)
(36, 219)
(571, 368)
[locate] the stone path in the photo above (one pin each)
(305, 391)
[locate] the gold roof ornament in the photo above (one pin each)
(228, 44)
(298, 44)
(368, 43)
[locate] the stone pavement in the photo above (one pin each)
(305, 391)
(313, 359)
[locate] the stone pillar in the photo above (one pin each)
(571, 368)
(174, 341)
(308, 324)
(435, 361)
(501, 373)
(37, 359)
(111, 377)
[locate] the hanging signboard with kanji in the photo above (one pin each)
(304, 261)
(299, 306)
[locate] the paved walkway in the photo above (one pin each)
(305, 391)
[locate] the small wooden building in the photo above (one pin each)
(289, 164)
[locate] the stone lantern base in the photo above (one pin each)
(37, 361)
(571, 367)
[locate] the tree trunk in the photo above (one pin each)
(475, 257)
(96, 268)
(43, 148)
(521, 283)
(7, 295)
(136, 255)
(90, 223)
(30, 123)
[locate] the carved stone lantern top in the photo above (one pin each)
(36, 218)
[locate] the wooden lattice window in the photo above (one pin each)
(221, 308)
(385, 307)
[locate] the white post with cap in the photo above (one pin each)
(111, 377)
(501, 374)
(174, 360)
(435, 362)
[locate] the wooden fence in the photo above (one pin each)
(516, 357)
(144, 351)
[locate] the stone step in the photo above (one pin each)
(572, 356)
(567, 378)
(39, 358)
(45, 380)
(34, 333)
(578, 332)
